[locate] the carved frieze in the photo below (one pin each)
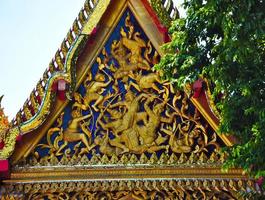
(124, 113)
(132, 189)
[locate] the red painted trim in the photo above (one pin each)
(197, 88)
(2, 144)
(205, 104)
(19, 138)
(55, 86)
(162, 29)
(4, 169)
(61, 95)
(92, 35)
(203, 101)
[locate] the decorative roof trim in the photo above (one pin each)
(68, 74)
(187, 185)
(37, 107)
(38, 96)
(62, 67)
(165, 10)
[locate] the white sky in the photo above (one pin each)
(31, 32)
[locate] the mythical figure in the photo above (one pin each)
(177, 145)
(129, 135)
(148, 132)
(135, 46)
(146, 82)
(131, 109)
(104, 146)
(94, 90)
(73, 133)
(131, 104)
(125, 135)
(185, 139)
(118, 51)
(128, 52)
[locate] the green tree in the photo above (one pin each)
(224, 41)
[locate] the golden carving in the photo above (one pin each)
(30, 121)
(9, 140)
(131, 42)
(40, 116)
(8, 135)
(95, 16)
(148, 125)
(210, 99)
(59, 61)
(133, 189)
(27, 112)
(40, 89)
(150, 117)
(34, 103)
(94, 90)
(72, 133)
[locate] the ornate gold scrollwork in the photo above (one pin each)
(8, 135)
(146, 117)
(131, 189)
(34, 113)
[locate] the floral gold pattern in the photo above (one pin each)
(126, 114)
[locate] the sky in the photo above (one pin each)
(31, 32)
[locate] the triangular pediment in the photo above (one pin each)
(123, 113)
(126, 133)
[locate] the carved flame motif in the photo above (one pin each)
(125, 108)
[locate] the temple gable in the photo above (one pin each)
(125, 133)
(123, 112)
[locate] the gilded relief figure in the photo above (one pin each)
(135, 45)
(118, 51)
(184, 136)
(131, 104)
(145, 82)
(114, 122)
(105, 147)
(126, 136)
(128, 52)
(180, 144)
(94, 90)
(73, 132)
(151, 116)
(148, 132)
(129, 135)
(128, 140)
